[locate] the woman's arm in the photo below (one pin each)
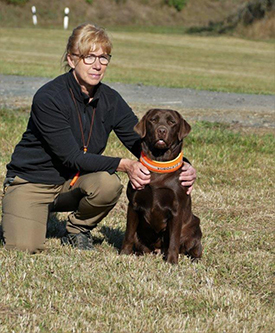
(138, 174)
(53, 126)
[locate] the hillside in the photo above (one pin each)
(254, 18)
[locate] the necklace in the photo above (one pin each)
(85, 145)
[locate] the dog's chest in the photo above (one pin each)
(156, 204)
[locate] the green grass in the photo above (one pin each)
(209, 63)
(230, 290)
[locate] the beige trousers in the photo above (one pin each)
(26, 207)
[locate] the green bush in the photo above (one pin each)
(17, 2)
(90, 2)
(178, 4)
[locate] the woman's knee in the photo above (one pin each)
(110, 190)
(22, 234)
(25, 211)
(25, 247)
(107, 190)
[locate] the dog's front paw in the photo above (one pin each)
(173, 259)
(126, 250)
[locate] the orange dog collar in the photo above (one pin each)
(161, 167)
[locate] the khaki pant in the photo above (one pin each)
(26, 207)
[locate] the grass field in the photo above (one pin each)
(230, 290)
(210, 63)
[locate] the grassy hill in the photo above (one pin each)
(156, 15)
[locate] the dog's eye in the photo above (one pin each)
(171, 121)
(153, 120)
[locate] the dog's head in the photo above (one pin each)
(162, 129)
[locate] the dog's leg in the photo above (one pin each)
(191, 245)
(196, 252)
(174, 240)
(140, 248)
(131, 228)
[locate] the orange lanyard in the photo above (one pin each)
(85, 146)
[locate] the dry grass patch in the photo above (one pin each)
(230, 290)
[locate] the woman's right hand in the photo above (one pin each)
(138, 174)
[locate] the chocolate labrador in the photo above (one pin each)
(159, 217)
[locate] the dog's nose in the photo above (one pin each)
(162, 131)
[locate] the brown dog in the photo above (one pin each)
(159, 217)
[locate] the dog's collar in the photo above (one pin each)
(161, 167)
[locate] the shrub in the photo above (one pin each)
(178, 4)
(17, 2)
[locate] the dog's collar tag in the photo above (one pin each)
(161, 167)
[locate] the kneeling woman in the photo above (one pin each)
(58, 164)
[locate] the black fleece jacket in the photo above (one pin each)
(51, 149)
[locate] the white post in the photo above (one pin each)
(34, 17)
(66, 18)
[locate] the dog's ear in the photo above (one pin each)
(184, 130)
(140, 127)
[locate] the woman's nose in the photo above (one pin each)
(97, 64)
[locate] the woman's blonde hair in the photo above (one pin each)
(84, 38)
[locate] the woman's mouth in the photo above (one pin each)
(95, 76)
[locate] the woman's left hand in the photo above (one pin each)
(188, 176)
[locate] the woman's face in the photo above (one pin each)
(88, 76)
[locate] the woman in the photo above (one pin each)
(58, 164)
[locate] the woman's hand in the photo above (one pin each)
(138, 174)
(188, 176)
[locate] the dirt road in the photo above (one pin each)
(242, 109)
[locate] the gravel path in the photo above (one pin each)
(242, 109)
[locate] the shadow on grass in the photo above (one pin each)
(1, 236)
(56, 228)
(113, 236)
